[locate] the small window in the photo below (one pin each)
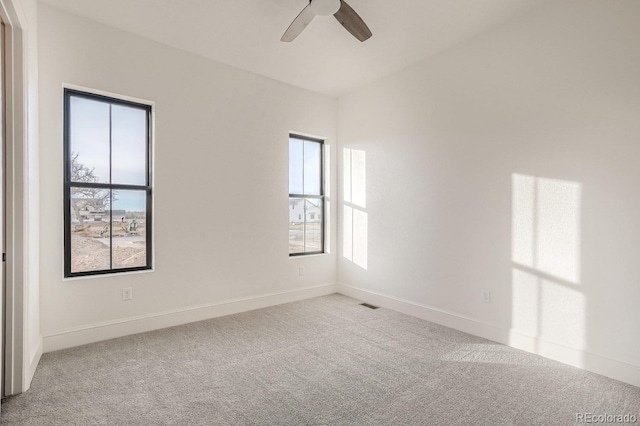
(306, 196)
(107, 185)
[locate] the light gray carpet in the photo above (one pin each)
(324, 361)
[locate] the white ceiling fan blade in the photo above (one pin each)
(300, 23)
(352, 22)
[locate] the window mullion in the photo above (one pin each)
(304, 222)
(306, 196)
(110, 184)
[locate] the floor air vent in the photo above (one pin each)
(366, 305)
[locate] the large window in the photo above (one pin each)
(107, 185)
(306, 196)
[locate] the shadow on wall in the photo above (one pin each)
(355, 217)
(548, 301)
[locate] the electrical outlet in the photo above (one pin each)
(486, 296)
(301, 270)
(127, 293)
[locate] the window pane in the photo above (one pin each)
(312, 161)
(89, 140)
(313, 225)
(128, 145)
(129, 229)
(296, 225)
(90, 249)
(295, 166)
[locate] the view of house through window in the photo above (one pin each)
(306, 196)
(107, 185)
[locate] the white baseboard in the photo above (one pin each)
(619, 370)
(133, 325)
(34, 359)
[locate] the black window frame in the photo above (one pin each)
(316, 197)
(68, 184)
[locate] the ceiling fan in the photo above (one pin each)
(338, 8)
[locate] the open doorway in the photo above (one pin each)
(3, 298)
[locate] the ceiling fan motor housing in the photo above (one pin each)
(325, 7)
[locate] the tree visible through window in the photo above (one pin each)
(107, 185)
(306, 196)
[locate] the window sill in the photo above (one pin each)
(306, 256)
(108, 275)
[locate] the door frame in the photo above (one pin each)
(16, 371)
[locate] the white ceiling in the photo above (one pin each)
(325, 58)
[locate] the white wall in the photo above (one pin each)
(221, 184)
(511, 164)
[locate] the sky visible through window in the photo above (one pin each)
(90, 127)
(304, 167)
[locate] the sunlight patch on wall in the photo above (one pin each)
(347, 231)
(360, 238)
(523, 208)
(547, 300)
(358, 178)
(355, 218)
(346, 175)
(525, 303)
(547, 309)
(546, 226)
